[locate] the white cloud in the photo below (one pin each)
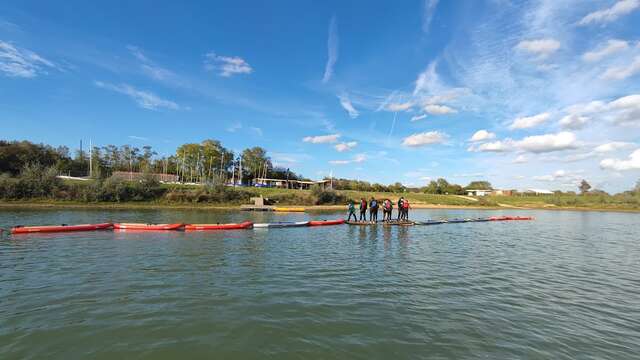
(625, 110)
(16, 62)
(620, 8)
(358, 158)
(227, 66)
(434, 109)
(144, 99)
(570, 178)
(530, 121)
(425, 138)
(347, 105)
(332, 49)
(540, 47)
(548, 143)
(322, 139)
(482, 135)
(622, 72)
(631, 163)
(573, 122)
(418, 117)
(495, 146)
(346, 146)
(427, 14)
(521, 159)
(612, 46)
(613, 146)
(534, 144)
(139, 138)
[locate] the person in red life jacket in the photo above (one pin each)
(405, 208)
(400, 208)
(373, 210)
(363, 209)
(387, 207)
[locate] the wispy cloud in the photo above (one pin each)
(427, 80)
(234, 127)
(332, 49)
(17, 62)
(613, 146)
(149, 67)
(539, 47)
(139, 138)
(429, 10)
(620, 8)
(322, 139)
(226, 66)
(418, 117)
(144, 99)
(358, 158)
(611, 47)
(257, 131)
(348, 106)
(622, 72)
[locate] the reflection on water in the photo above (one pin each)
(563, 286)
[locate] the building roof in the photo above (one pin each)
(540, 191)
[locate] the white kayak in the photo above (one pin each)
(281, 224)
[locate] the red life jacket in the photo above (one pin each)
(405, 204)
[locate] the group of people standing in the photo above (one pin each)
(373, 205)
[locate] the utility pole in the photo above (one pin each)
(90, 158)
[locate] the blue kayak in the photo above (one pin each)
(457, 221)
(281, 224)
(431, 222)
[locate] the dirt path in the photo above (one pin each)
(466, 197)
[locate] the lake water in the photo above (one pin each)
(564, 286)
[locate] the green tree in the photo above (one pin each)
(584, 187)
(254, 163)
(479, 185)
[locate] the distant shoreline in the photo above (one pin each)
(235, 207)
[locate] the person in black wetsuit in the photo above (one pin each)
(363, 209)
(373, 210)
(400, 208)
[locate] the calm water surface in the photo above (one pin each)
(562, 287)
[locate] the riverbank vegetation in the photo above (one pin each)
(30, 173)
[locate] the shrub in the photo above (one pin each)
(326, 197)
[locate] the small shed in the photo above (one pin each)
(478, 192)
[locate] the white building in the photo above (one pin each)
(539, 192)
(477, 192)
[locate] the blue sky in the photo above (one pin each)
(525, 94)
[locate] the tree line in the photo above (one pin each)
(208, 161)
(439, 186)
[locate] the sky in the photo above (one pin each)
(524, 94)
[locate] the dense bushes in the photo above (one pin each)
(327, 197)
(37, 182)
(33, 182)
(208, 194)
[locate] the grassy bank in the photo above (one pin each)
(202, 200)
